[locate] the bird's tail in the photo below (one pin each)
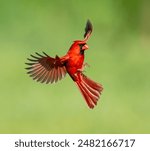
(90, 90)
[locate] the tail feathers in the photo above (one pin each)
(90, 90)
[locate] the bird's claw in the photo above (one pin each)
(83, 67)
(86, 65)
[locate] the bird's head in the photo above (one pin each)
(78, 47)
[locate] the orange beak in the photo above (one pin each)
(85, 47)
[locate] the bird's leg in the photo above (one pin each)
(86, 65)
(83, 67)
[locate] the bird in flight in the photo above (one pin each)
(46, 69)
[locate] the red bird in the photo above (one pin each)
(46, 69)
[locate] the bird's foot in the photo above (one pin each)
(86, 65)
(83, 67)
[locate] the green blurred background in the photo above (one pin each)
(119, 58)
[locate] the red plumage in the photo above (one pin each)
(46, 69)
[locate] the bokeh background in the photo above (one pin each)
(119, 58)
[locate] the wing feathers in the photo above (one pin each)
(44, 68)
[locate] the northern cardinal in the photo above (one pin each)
(46, 69)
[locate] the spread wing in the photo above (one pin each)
(44, 68)
(88, 29)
